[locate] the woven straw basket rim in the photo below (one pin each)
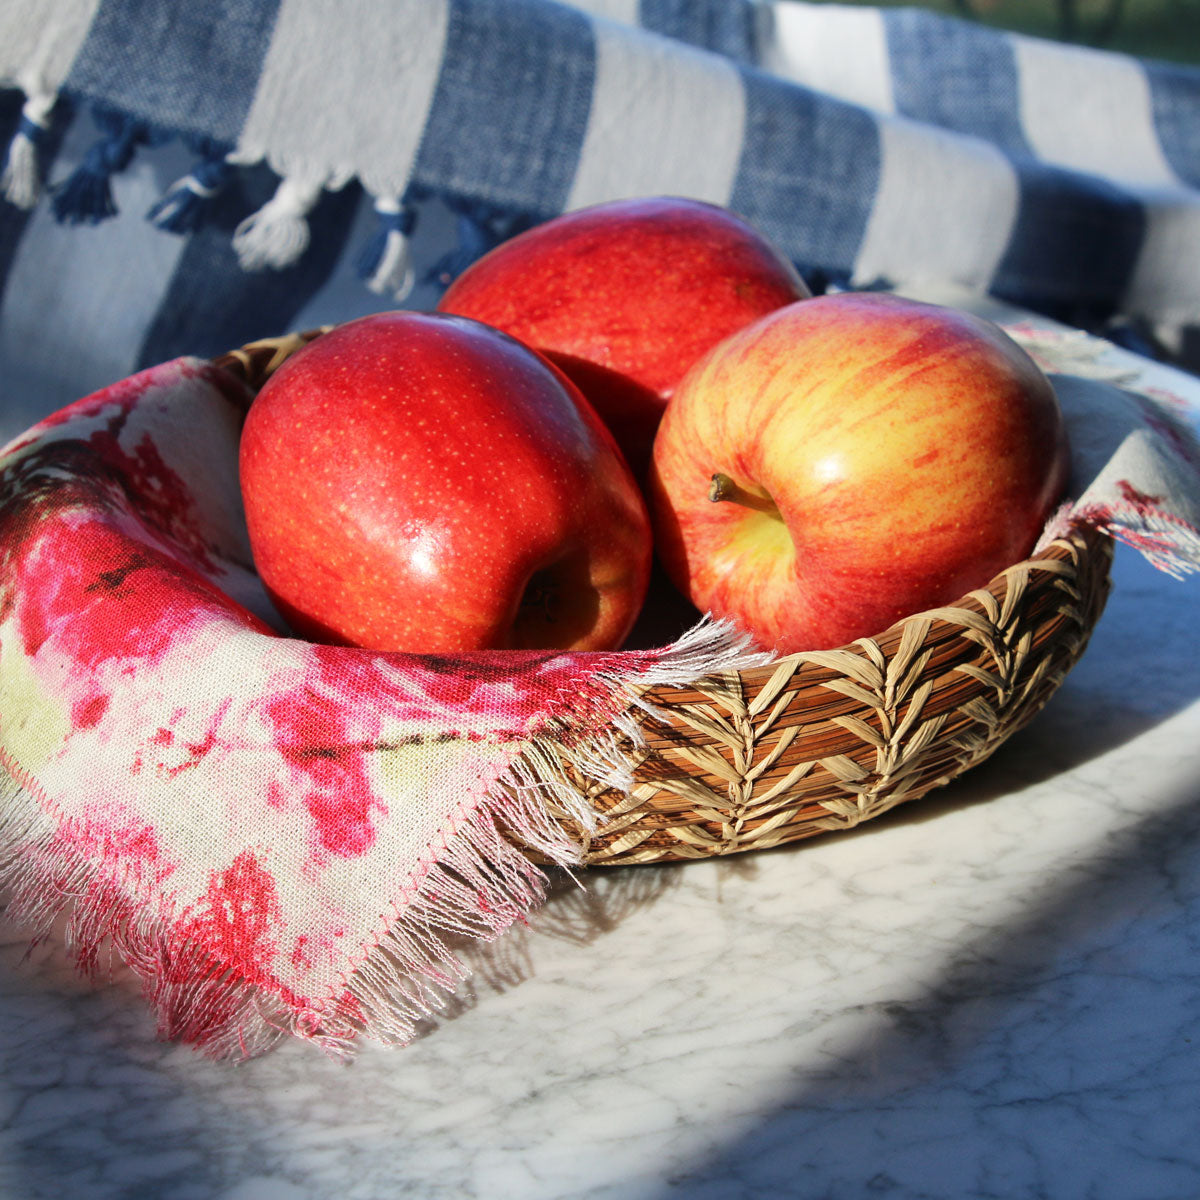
(821, 741)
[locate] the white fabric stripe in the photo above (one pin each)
(665, 119)
(626, 11)
(1166, 284)
(41, 39)
(837, 49)
(944, 209)
(1090, 111)
(324, 88)
(79, 300)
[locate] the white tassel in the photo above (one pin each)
(278, 233)
(394, 272)
(21, 182)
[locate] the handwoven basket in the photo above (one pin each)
(823, 740)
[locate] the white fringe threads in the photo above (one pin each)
(483, 883)
(485, 879)
(278, 234)
(21, 181)
(192, 998)
(1165, 542)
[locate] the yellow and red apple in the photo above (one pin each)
(849, 460)
(419, 481)
(624, 296)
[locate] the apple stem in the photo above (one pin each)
(724, 488)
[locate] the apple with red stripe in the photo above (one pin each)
(422, 482)
(625, 295)
(852, 459)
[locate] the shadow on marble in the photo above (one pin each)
(86, 1107)
(582, 910)
(1054, 1056)
(1054, 1042)
(578, 910)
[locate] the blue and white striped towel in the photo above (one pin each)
(284, 148)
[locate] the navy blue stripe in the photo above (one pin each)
(808, 172)
(1175, 103)
(211, 305)
(956, 75)
(511, 104)
(729, 27)
(1074, 246)
(182, 67)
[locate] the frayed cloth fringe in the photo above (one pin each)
(1167, 543)
(192, 999)
(483, 878)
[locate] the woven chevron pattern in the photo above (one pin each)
(823, 741)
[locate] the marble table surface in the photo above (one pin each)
(993, 992)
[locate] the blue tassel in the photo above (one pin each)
(85, 196)
(183, 206)
(481, 227)
(384, 260)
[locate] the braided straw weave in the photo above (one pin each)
(823, 740)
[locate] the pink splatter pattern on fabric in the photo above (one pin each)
(254, 821)
(240, 917)
(96, 593)
(327, 759)
(119, 839)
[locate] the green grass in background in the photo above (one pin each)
(1168, 29)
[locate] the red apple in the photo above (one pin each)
(850, 460)
(417, 481)
(625, 296)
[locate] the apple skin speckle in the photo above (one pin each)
(624, 296)
(910, 452)
(406, 474)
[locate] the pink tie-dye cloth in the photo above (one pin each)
(276, 835)
(282, 837)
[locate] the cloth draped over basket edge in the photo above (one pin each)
(874, 146)
(275, 835)
(281, 837)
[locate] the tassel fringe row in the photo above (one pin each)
(274, 237)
